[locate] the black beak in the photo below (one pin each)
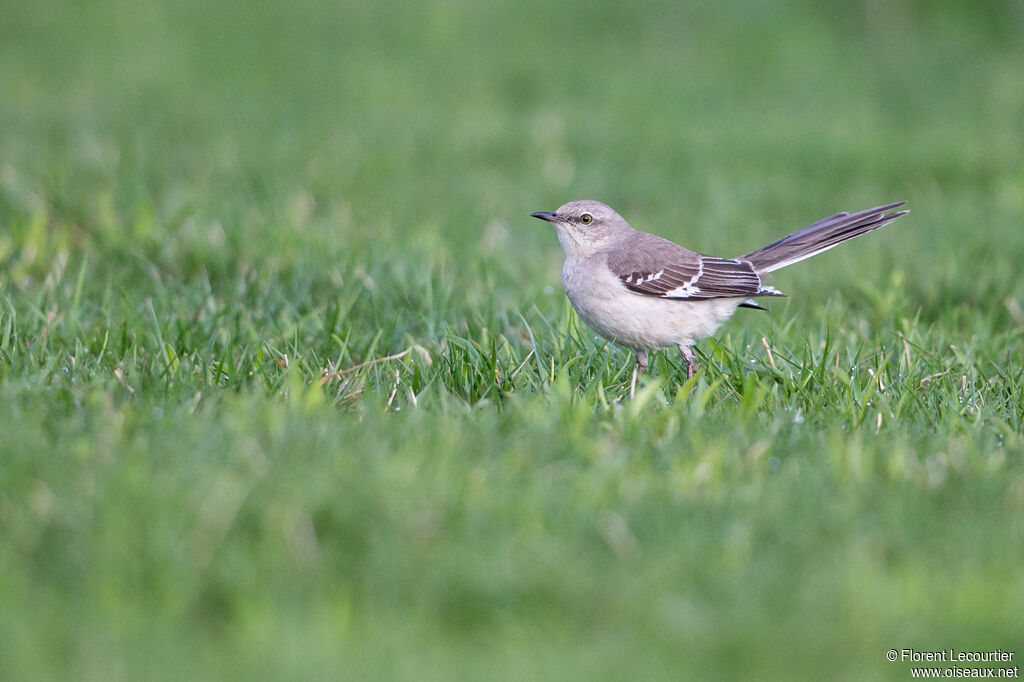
(549, 216)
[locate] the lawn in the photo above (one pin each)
(289, 388)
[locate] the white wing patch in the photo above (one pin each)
(690, 288)
(641, 279)
(687, 290)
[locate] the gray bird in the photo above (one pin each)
(644, 292)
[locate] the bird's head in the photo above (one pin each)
(585, 227)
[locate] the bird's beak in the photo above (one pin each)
(549, 216)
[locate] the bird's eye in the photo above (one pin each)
(586, 219)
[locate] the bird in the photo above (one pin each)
(646, 293)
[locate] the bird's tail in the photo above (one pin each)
(821, 236)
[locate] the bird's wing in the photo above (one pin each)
(654, 266)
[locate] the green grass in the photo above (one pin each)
(289, 388)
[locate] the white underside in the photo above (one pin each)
(635, 320)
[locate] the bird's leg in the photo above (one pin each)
(641, 367)
(641, 361)
(690, 359)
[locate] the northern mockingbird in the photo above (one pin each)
(644, 292)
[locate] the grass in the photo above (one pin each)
(288, 387)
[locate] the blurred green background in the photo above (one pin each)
(209, 209)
